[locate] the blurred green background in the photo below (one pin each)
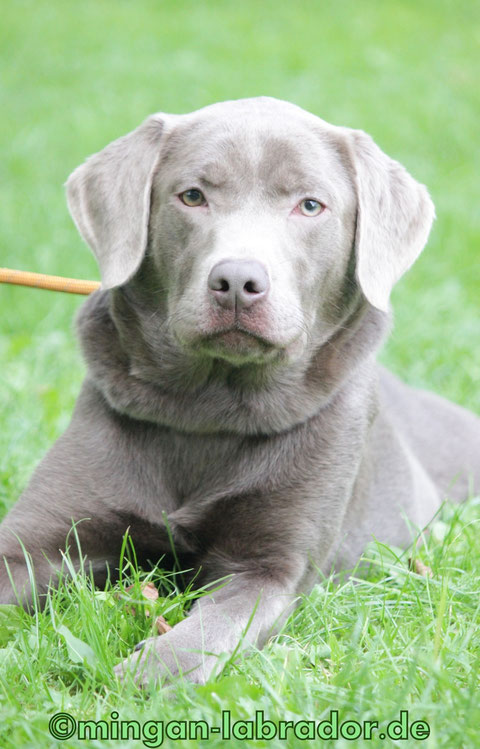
(77, 75)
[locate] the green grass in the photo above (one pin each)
(367, 648)
(77, 75)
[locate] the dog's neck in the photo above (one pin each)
(157, 381)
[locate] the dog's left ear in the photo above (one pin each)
(109, 199)
(394, 217)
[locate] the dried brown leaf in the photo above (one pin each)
(149, 592)
(162, 625)
(420, 568)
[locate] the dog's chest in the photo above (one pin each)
(202, 467)
(198, 466)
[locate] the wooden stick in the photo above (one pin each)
(53, 283)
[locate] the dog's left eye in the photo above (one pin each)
(310, 207)
(192, 198)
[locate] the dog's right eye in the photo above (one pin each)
(192, 198)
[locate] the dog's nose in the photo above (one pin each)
(237, 284)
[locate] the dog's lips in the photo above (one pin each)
(236, 342)
(237, 337)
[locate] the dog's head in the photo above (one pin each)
(262, 224)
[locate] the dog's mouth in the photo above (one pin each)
(238, 345)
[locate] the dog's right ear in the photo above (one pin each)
(109, 199)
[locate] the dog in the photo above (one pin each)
(233, 402)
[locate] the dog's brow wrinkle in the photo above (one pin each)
(212, 184)
(213, 174)
(285, 190)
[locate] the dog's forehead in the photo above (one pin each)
(276, 140)
(256, 109)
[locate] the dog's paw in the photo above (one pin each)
(157, 661)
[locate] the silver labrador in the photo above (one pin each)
(247, 254)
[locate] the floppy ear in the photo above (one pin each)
(394, 217)
(109, 199)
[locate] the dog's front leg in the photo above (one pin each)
(242, 613)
